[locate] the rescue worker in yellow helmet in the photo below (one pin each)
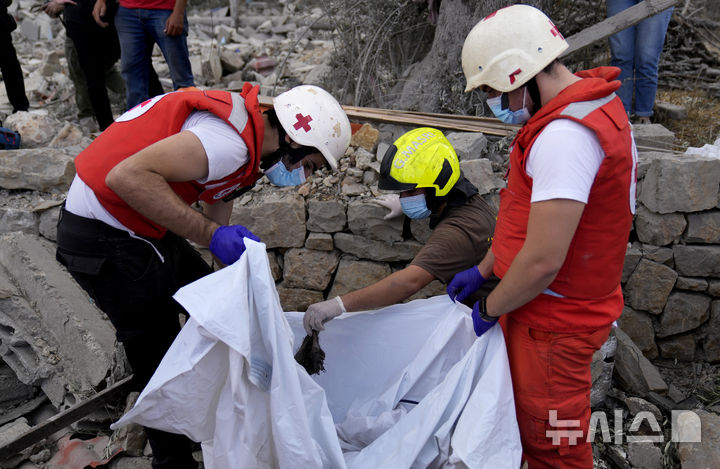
(423, 168)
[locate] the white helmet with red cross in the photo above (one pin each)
(509, 47)
(313, 118)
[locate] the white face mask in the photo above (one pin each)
(520, 116)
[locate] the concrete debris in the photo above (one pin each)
(327, 236)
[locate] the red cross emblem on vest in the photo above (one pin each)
(302, 122)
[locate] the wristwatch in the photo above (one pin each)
(482, 311)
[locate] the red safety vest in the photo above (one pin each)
(590, 276)
(161, 117)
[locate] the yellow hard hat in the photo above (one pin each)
(420, 158)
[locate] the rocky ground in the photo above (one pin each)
(291, 40)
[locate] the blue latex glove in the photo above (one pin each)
(465, 283)
(227, 242)
(480, 325)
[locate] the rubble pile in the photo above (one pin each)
(327, 237)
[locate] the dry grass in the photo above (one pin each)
(703, 123)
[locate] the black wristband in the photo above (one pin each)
(482, 310)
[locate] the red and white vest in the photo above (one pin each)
(589, 279)
(161, 117)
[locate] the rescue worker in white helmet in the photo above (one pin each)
(562, 226)
(423, 167)
(124, 227)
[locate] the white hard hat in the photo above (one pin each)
(313, 118)
(509, 47)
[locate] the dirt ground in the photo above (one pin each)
(703, 123)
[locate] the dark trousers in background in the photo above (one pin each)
(9, 66)
(134, 287)
(97, 50)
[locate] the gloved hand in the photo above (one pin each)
(484, 323)
(227, 242)
(465, 283)
(390, 202)
(319, 313)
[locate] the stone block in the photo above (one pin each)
(703, 228)
(420, 229)
(58, 338)
(309, 269)
(70, 135)
(364, 248)
(210, 65)
(657, 229)
(15, 219)
(653, 135)
(319, 241)
(277, 218)
(697, 261)
(706, 451)
(365, 160)
(468, 145)
(671, 111)
(711, 334)
(13, 430)
(353, 274)
(635, 374)
(681, 184)
(645, 159)
(480, 173)
(661, 255)
(365, 137)
(649, 286)
(36, 128)
(680, 347)
(366, 219)
(326, 216)
(42, 169)
(683, 312)
(231, 60)
(645, 455)
(714, 287)
(350, 186)
(48, 223)
(298, 299)
(316, 75)
(632, 258)
(639, 327)
(692, 284)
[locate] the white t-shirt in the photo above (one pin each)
(564, 161)
(225, 149)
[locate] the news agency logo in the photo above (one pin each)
(685, 428)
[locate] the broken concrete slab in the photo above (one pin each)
(36, 128)
(52, 335)
(38, 169)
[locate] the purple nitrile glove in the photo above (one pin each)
(227, 242)
(465, 283)
(481, 324)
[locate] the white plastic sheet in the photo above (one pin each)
(406, 386)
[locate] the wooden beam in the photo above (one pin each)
(63, 419)
(612, 25)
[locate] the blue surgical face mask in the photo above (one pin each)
(279, 175)
(520, 116)
(415, 206)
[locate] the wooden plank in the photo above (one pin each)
(63, 419)
(622, 20)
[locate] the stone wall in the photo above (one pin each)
(672, 268)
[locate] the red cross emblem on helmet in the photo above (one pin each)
(303, 122)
